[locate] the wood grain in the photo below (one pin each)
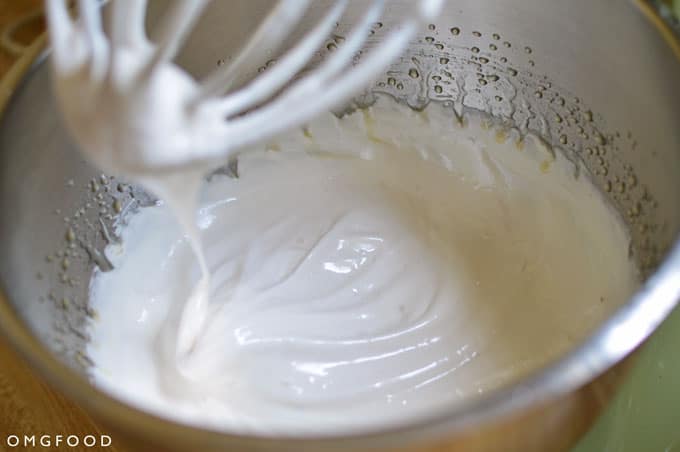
(28, 406)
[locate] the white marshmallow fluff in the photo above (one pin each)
(359, 273)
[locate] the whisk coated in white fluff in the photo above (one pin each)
(132, 110)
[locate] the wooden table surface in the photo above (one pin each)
(28, 406)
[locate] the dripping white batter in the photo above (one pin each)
(363, 272)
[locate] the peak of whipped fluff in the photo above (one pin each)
(361, 273)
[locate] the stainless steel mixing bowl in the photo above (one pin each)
(598, 79)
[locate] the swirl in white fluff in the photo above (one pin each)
(363, 273)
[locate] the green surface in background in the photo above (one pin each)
(645, 415)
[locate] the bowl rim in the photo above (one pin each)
(620, 335)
